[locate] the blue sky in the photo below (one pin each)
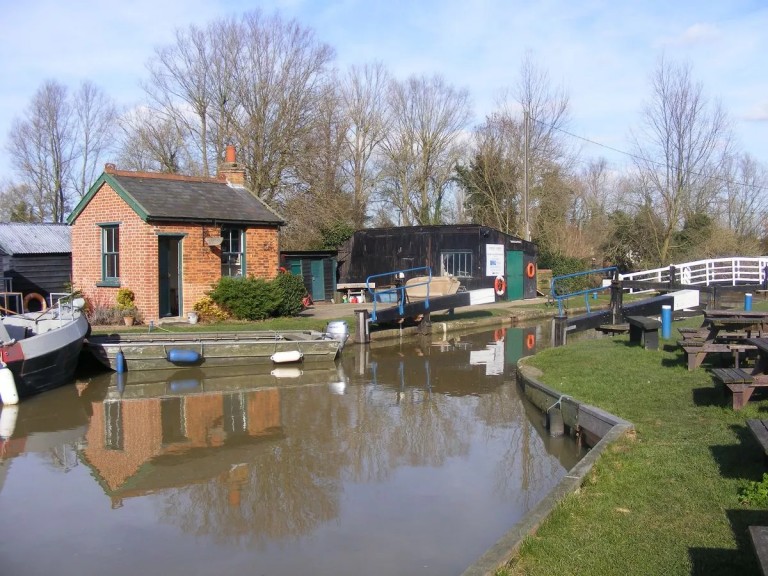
(601, 52)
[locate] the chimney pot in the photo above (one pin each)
(230, 156)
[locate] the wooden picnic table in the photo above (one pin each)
(742, 383)
(722, 332)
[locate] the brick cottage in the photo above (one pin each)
(169, 238)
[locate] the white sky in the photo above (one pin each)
(601, 52)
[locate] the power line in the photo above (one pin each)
(758, 187)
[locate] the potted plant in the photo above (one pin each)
(125, 303)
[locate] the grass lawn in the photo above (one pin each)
(665, 499)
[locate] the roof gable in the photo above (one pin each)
(156, 197)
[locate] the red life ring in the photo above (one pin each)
(282, 270)
(498, 335)
(35, 296)
(530, 270)
(500, 285)
(530, 341)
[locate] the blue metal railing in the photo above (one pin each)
(559, 293)
(397, 279)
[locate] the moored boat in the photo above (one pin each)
(39, 351)
(155, 351)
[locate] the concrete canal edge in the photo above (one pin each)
(599, 428)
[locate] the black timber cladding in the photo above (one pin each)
(385, 250)
(196, 200)
(37, 257)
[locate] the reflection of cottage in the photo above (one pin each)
(169, 237)
(142, 445)
(474, 254)
(35, 259)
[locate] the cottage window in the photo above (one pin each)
(456, 263)
(110, 254)
(233, 252)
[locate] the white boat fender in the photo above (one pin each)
(8, 415)
(287, 372)
(8, 392)
(287, 356)
(181, 356)
(120, 362)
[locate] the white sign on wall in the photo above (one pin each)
(494, 259)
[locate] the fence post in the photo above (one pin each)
(672, 277)
(362, 330)
(617, 297)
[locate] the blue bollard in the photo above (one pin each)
(747, 301)
(666, 322)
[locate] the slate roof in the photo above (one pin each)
(162, 197)
(23, 238)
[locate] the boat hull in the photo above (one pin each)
(169, 351)
(48, 360)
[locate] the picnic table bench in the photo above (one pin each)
(759, 429)
(697, 351)
(759, 537)
(741, 383)
(645, 331)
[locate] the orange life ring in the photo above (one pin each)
(500, 285)
(530, 270)
(530, 341)
(35, 296)
(282, 270)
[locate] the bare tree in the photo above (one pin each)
(58, 144)
(525, 132)
(679, 148)
(364, 99)
(744, 200)
(96, 118)
(152, 143)
(423, 146)
(42, 148)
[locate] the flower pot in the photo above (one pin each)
(128, 320)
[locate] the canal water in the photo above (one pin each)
(412, 458)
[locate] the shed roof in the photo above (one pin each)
(156, 197)
(25, 238)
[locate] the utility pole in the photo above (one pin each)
(526, 138)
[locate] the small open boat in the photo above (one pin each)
(153, 351)
(40, 350)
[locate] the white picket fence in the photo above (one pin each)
(729, 271)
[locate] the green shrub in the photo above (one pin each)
(755, 493)
(246, 298)
(290, 290)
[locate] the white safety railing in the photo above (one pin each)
(729, 271)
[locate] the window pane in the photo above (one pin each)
(458, 263)
(232, 254)
(110, 253)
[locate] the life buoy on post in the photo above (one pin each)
(500, 285)
(35, 296)
(530, 270)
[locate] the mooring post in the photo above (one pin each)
(672, 277)
(559, 330)
(362, 330)
(617, 297)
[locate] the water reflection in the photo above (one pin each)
(423, 449)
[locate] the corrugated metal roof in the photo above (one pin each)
(21, 238)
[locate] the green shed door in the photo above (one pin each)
(318, 280)
(515, 275)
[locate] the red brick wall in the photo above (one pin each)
(201, 264)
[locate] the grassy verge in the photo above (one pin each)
(664, 500)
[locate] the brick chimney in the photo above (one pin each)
(230, 170)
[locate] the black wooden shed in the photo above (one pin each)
(477, 255)
(35, 259)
